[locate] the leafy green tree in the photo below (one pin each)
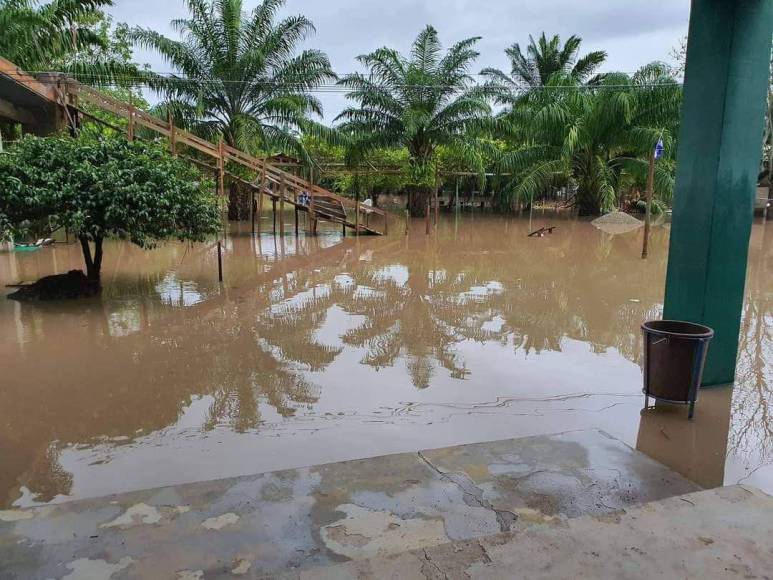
(241, 76)
(34, 35)
(598, 138)
(102, 188)
(543, 59)
(420, 102)
(72, 36)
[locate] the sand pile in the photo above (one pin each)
(617, 222)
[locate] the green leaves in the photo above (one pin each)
(99, 188)
(241, 74)
(544, 59)
(419, 102)
(71, 36)
(598, 138)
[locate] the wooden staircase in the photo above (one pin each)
(269, 180)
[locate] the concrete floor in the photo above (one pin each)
(722, 533)
(301, 519)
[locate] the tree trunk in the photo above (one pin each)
(588, 200)
(93, 261)
(238, 202)
(417, 200)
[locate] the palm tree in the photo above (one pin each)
(543, 59)
(240, 75)
(71, 36)
(35, 35)
(597, 137)
(420, 102)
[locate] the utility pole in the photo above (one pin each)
(654, 156)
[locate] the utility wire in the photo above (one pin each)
(145, 82)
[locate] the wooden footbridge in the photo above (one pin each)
(50, 102)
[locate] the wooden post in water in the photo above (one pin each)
(273, 208)
(220, 261)
(437, 205)
(282, 193)
(407, 221)
(427, 215)
(261, 194)
(221, 182)
(648, 209)
(357, 212)
(252, 210)
(312, 214)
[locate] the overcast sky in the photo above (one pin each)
(633, 32)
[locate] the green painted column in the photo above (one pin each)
(720, 146)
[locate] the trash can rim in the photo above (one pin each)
(704, 332)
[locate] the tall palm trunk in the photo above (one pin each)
(588, 199)
(418, 196)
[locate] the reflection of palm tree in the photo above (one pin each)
(422, 319)
(267, 343)
(571, 286)
(751, 431)
(234, 350)
(291, 329)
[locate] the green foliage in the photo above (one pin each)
(109, 120)
(71, 36)
(381, 171)
(544, 58)
(101, 188)
(418, 102)
(241, 76)
(657, 207)
(598, 137)
(35, 35)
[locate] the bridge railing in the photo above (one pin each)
(284, 180)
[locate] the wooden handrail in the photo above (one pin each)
(268, 173)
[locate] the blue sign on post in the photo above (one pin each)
(659, 149)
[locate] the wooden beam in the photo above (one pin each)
(18, 114)
(10, 70)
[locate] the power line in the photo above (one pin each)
(329, 88)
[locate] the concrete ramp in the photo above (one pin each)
(303, 519)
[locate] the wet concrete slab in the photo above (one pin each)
(300, 519)
(721, 533)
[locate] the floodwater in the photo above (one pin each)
(326, 349)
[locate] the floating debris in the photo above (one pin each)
(617, 222)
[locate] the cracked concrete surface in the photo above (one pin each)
(722, 533)
(300, 519)
(473, 495)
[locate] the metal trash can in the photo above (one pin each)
(674, 357)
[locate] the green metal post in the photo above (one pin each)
(726, 82)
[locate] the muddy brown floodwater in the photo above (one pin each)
(326, 349)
